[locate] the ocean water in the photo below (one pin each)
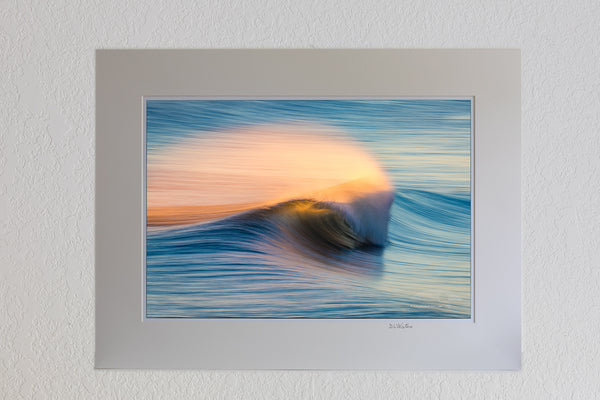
(308, 208)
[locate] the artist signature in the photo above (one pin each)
(399, 325)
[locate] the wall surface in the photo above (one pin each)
(47, 185)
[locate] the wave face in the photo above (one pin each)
(302, 259)
(252, 217)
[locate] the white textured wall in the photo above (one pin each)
(47, 185)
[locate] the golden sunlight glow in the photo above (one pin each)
(219, 173)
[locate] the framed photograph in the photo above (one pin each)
(308, 209)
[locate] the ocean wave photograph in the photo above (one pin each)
(308, 208)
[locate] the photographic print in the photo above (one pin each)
(308, 208)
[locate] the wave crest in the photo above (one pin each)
(312, 178)
(332, 224)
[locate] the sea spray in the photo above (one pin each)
(213, 175)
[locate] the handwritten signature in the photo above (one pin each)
(400, 325)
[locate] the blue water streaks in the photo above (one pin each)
(234, 268)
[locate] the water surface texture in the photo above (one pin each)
(308, 208)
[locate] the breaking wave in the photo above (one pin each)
(309, 177)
